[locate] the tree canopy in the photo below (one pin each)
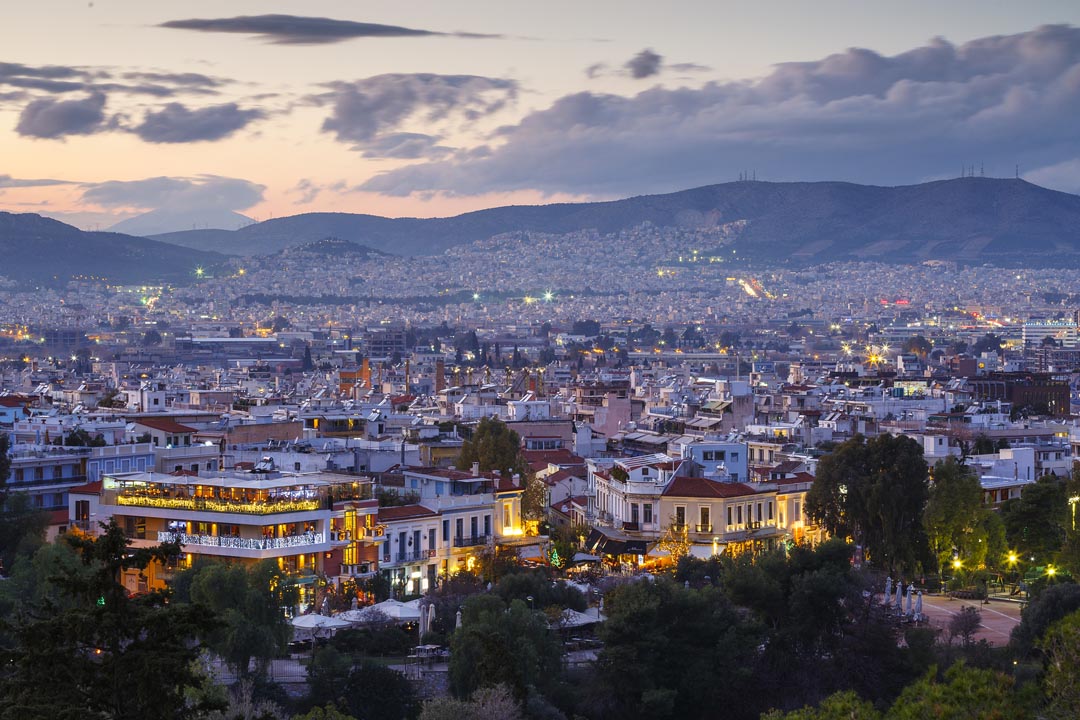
(874, 492)
(494, 446)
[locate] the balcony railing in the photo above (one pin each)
(471, 540)
(359, 569)
(631, 525)
(414, 556)
(240, 543)
(269, 507)
(703, 528)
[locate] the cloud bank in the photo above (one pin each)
(300, 30)
(176, 123)
(203, 192)
(856, 115)
(369, 114)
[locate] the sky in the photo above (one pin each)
(113, 108)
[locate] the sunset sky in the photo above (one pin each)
(111, 108)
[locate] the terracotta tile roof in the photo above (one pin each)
(90, 488)
(685, 486)
(404, 512)
(802, 477)
(164, 425)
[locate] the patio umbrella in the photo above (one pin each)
(457, 621)
(431, 617)
(910, 593)
(899, 597)
(918, 607)
(888, 590)
(309, 626)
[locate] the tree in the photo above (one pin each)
(534, 498)
(588, 328)
(1061, 678)
(499, 645)
(846, 705)
(107, 654)
(1035, 522)
(1045, 609)
(954, 515)
(151, 337)
(874, 492)
(918, 345)
(22, 528)
(965, 693)
(375, 692)
(308, 364)
(251, 603)
(494, 446)
(987, 343)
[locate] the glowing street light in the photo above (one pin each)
(1051, 570)
(957, 564)
(529, 299)
(548, 296)
(199, 272)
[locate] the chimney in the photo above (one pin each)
(517, 480)
(440, 375)
(476, 469)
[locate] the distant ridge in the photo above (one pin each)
(972, 220)
(42, 250)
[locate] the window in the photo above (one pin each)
(459, 528)
(708, 455)
(295, 467)
(195, 468)
(446, 531)
(508, 515)
(738, 514)
(796, 511)
(472, 526)
(729, 515)
(487, 525)
(431, 539)
(634, 513)
(648, 512)
(706, 522)
(759, 512)
(770, 510)
(680, 515)
(734, 457)
(82, 511)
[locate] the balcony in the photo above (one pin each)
(471, 540)
(267, 507)
(703, 528)
(340, 537)
(360, 570)
(631, 525)
(414, 556)
(241, 543)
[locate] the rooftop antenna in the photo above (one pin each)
(1017, 171)
(981, 170)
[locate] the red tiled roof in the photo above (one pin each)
(802, 477)
(404, 512)
(164, 425)
(557, 477)
(561, 456)
(685, 486)
(90, 488)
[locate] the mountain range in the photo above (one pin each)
(36, 249)
(972, 220)
(969, 220)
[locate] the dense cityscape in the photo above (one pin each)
(791, 449)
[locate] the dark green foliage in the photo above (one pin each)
(251, 604)
(499, 645)
(671, 652)
(22, 529)
(374, 692)
(544, 592)
(874, 492)
(495, 446)
(1035, 522)
(105, 654)
(1049, 606)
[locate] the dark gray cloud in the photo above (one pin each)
(51, 118)
(687, 67)
(855, 115)
(65, 79)
(176, 123)
(300, 30)
(203, 192)
(6, 181)
(645, 64)
(369, 113)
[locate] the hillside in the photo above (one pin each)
(970, 220)
(41, 250)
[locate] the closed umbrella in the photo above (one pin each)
(918, 607)
(910, 593)
(457, 621)
(899, 597)
(888, 590)
(431, 617)
(423, 623)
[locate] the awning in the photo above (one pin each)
(704, 552)
(600, 542)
